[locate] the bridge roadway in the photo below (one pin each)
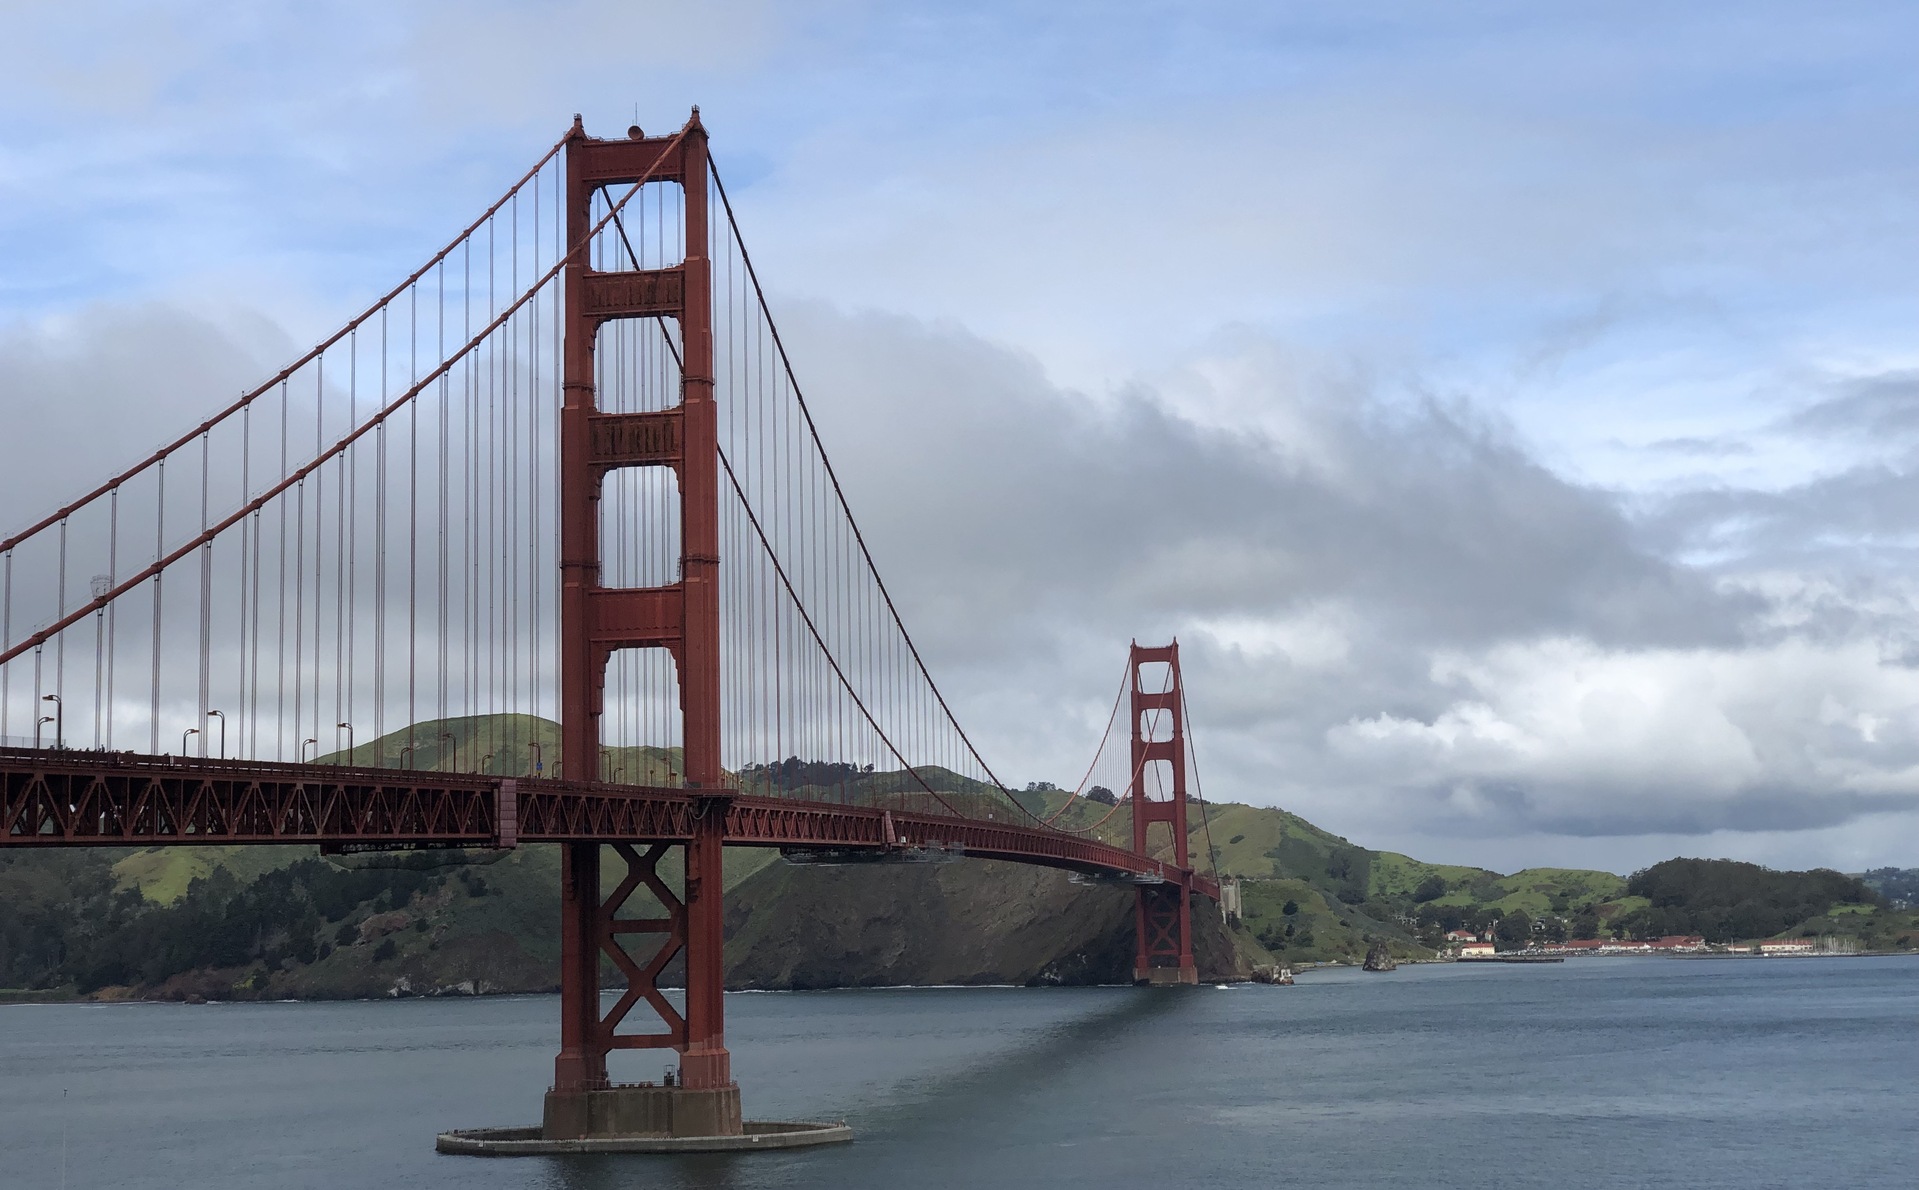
(102, 799)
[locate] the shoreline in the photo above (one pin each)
(11, 997)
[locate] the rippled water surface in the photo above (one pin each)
(1620, 1072)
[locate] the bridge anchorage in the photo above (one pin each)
(419, 552)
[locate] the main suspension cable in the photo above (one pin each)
(165, 560)
(839, 493)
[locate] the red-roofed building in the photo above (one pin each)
(1680, 942)
(1671, 944)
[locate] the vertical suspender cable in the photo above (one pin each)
(412, 519)
(345, 557)
(159, 551)
(6, 638)
(206, 592)
(248, 559)
(113, 575)
(379, 546)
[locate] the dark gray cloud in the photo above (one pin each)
(1877, 406)
(109, 384)
(1396, 620)
(970, 463)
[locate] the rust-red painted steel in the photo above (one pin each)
(682, 617)
(1163, 923)
(98, 799)
(581, 1063)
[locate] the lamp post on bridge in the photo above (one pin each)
(348, 728)
(303, 747)
(221, 716)
(191, 731)
(454, 745)
(59, 719)
(44, 719)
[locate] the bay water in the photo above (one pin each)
(1593, 1073)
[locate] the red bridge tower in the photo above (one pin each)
(683, 618)
(1164, 919)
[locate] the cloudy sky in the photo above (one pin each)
(1512, 408)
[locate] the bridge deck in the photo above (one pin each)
(94, 799)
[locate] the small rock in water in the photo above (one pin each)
(1378, 958)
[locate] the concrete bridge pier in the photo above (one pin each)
(643, 1110)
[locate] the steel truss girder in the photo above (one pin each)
(642, 981)
(67, 798)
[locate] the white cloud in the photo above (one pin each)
(1313, 638)
(1604, 741)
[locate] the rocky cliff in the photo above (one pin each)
(977, 922)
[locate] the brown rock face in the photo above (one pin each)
(1378, 958)
(974, 922)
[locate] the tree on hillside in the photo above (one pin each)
(1900, 886)
(1513, 931)
(1430, 889)
(794, 773)
(1726, 900)
(1444, 917)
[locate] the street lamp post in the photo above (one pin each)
(59, 719)
(539, 761)
(191, 731)
(485, 761)
(406, 757)
(348, 728)
(221, 716)
(44, 719)
(453, 746)
(303, 747)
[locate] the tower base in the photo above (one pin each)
(642, 1110)
(642, 1119)
(1166, 977)
(527, 1142)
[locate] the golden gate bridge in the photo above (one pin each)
(564, 471)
